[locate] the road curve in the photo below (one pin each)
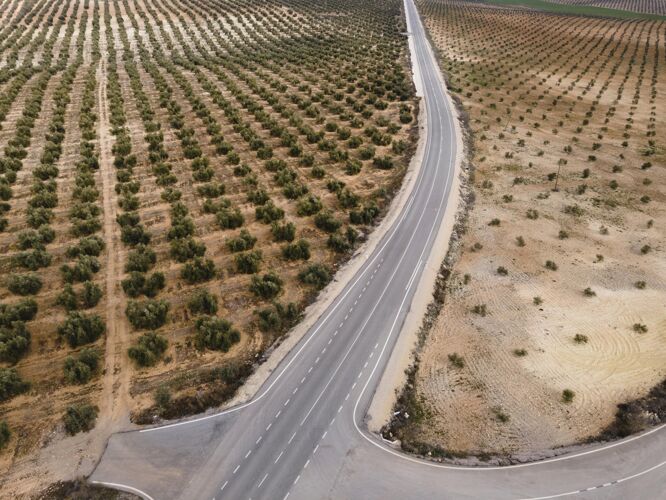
(304, 436)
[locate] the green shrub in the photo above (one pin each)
(80, 418)
(278, 318)
(11, 384)
(162, 397)
(79, 329)
(317, 275)
(308, 205)
(141, 259)
(90, 295)
(14, 341)
(283, 232)
(456, 360)
(198, 270)
(81, 369)
(202, 302)
(245, 241)
(185, 249)
(268, 213)
(248, 262)
(568, 395)
(89, 245)
(267, 286)
(83, 270)
(5, 434)
(364, 216)
(327, 222)
(296, 251)
(24, 284)
(229, 219)
(216, 334)
(32, 259)
(148, 350)
(147, 314)
(23, 310)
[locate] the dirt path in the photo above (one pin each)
(114, 402)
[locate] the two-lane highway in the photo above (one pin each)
(303, 435)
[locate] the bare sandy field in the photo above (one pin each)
(515, 331)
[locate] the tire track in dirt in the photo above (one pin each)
(114, 402)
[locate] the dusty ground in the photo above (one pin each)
(527, 81)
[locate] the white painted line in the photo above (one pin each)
(262, 481)
(306, 464)
(302, 380)
(286, 402)
(324, 435)
(315, 450)
(236, 469)
(297, 478)
(294, 391)
(124, 487)
(340, 409)
(292, 438)
(224, 485)
(249, 452)
(279, 457)
(259, 440)
(269, 426)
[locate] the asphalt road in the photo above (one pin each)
(303, 436)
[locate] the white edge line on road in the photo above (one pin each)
(124, 487)
(618, 481)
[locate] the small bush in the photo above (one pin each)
(5, 434)
(579, 338)
(202, 302)
(640, 328)
(24, 284)
(185, 249)
(198, 270)
(80, 418)
(245, 241)
(162, 397)
(588, 292)
(79, 329)
(480, 309)
(267, 286)
(278, 318)
(551, 265)
(149, 349)
(81, 369)
(283, 232)
(11, 384)
(268, 213)
(519, 352)
(316, 275)
(248, 262)
(568, 395)
(147, 314)
(456, 360)
(296, 251)
(216, 334)
(141, 259)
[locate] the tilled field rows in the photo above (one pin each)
(178, 180)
